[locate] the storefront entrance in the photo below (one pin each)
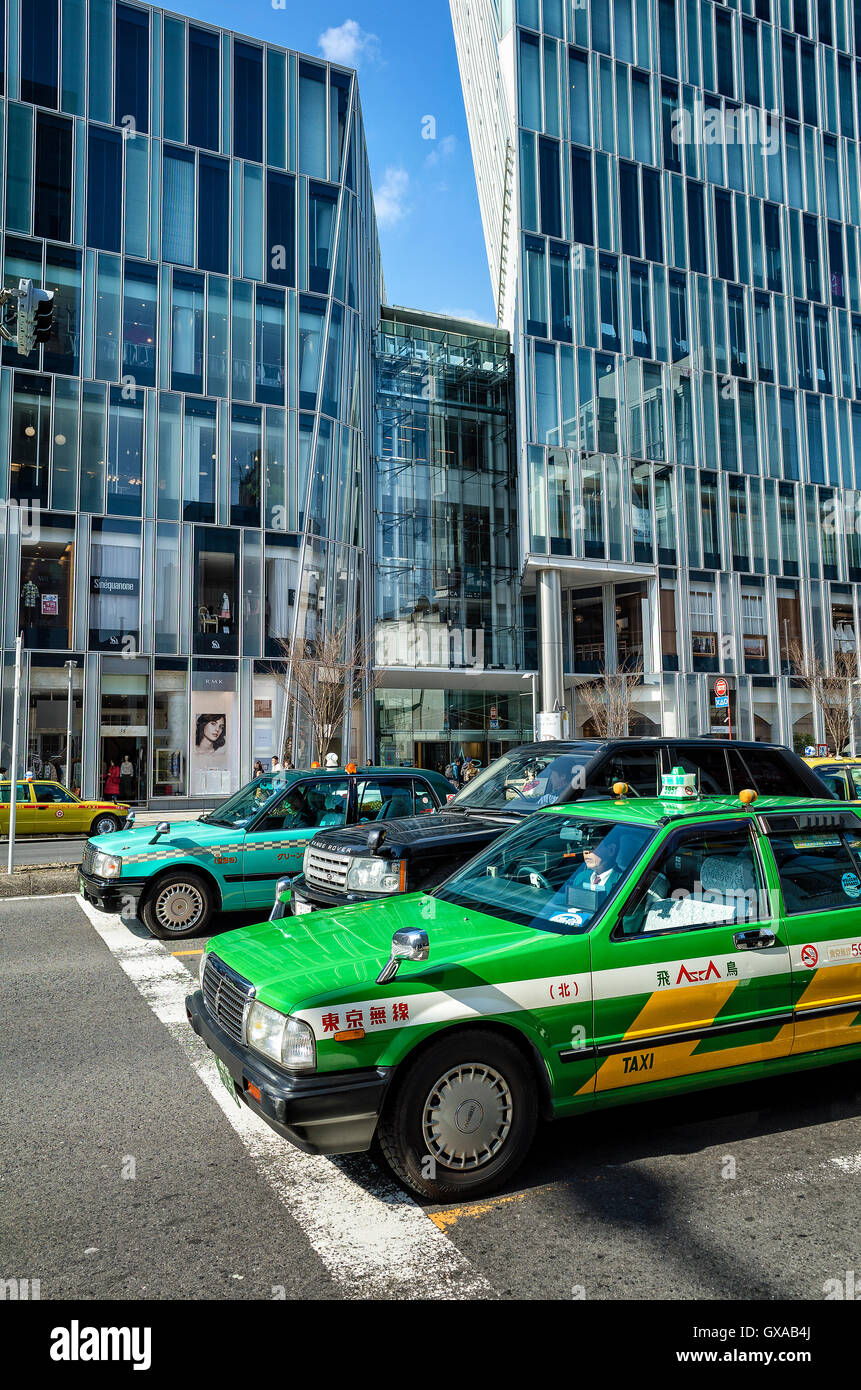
(124, 729)
(129, 757)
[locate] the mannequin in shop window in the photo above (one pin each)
(127, 778)
(224, 613)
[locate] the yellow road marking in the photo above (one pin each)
(188, 953)
(444, 1219)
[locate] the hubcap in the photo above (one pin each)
(179, 906)
(467, 1116)
(104, 827)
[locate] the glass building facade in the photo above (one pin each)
(449, 637)
(671, 199)
(184, 466)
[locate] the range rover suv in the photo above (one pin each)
(362, 863)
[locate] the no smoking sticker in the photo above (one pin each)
(809, 956)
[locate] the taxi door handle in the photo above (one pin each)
(755, 940)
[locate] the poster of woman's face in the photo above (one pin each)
(214, 742)
(210, 732)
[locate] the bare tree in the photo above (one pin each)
(609, 699)
(326, 677)
(830, 687)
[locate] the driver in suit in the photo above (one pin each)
(599, 872)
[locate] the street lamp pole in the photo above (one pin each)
(13, 771)
(70, 667)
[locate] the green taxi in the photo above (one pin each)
(598, 953)
(175, 876)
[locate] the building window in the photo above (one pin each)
(213, 220)
(269, 353)
(704, 647)
(125, 453)
(280, 229)
(203, 84)
(199, 460)
(322, 207)
(312, 120)
(140, 318)
(248, 102)
(131, 70)
(170, 729)
(63, 277)
(46, 586)
(31, 438)
(589, 651)
(754, 633)
(177, 238)
(187, 321)
(115, 552)
(104, 189)
(39, 40)
(52, 206)
(245, 470)
(216, 588)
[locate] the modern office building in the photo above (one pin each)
(450, 645)
(671, 199)
(184, 467)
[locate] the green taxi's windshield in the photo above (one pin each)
(556, 873)
(524, 781)
(239, 810)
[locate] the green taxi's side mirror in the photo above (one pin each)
(406, 945)
(163, 828)
(281, 906)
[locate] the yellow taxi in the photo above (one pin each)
(46, 808)
(840, 775)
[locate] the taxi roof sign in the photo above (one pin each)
(679, 784)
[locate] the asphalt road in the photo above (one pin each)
(128, 1171)
(56, 849)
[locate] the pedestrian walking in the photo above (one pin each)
(112, 781)
(257, 770)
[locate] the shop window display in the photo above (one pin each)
(115, 585)
(45, 595)
(216, 570)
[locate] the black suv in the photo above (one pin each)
(367, 862)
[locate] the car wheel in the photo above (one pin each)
(461, 1120)
(179, 905)
(105, 825)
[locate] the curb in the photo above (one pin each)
(39, 880)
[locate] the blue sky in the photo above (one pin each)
(430, 228)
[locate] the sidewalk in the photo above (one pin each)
(153, 817)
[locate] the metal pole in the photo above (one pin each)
(534, 706)
(70, 667)
(16, 719)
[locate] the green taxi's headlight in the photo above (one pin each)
(286, 1040)
(107, 865)
(298, 1049)
(375, 875)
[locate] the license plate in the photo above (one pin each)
(299, 906)
(227, 1078)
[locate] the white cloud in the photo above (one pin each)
(444, 149)
(390, 198)
(348, 44)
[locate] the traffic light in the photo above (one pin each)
(35, 316)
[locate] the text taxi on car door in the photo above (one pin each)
(46, 808)
(175, 876)
(597, 953)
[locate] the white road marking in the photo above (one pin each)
(375, 1241)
